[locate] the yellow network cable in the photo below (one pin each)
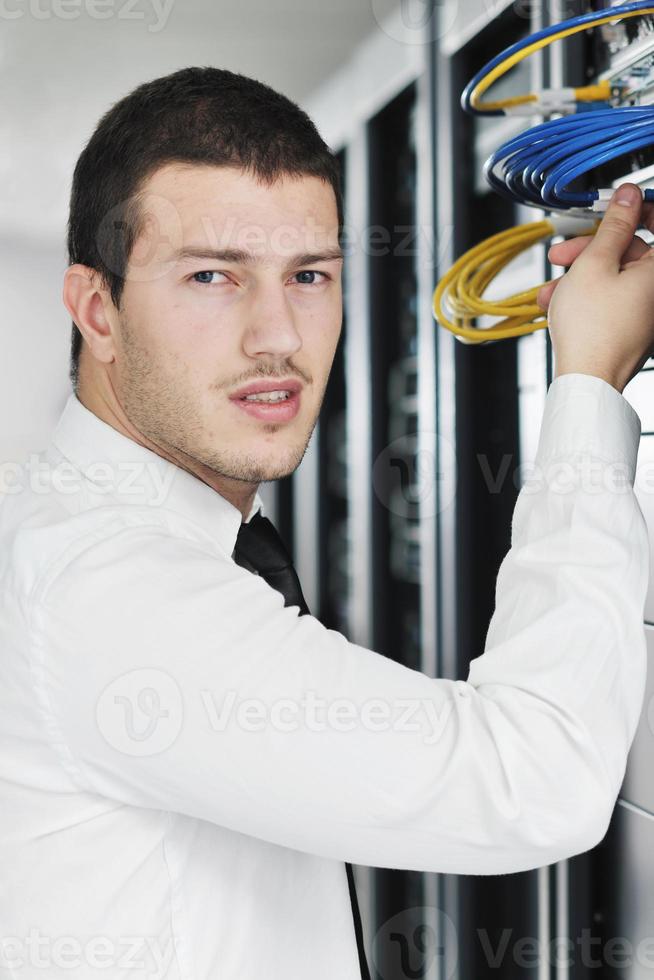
(552, 100)
(462, 287)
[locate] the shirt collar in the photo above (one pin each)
(119, 470)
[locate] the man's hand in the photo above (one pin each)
(601, 312)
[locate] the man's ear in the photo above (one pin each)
(89, 304)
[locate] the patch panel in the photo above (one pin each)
(624, 56)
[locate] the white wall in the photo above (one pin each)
(34, 340)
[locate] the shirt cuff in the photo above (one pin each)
(585, 414)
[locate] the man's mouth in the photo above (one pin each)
(270, 406)
(267, 396)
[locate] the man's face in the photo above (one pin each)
(195, 328)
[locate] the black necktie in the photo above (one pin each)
(259, 548)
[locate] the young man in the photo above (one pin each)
(186, 761)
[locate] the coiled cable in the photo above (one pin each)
(459, 296)
(537, 166)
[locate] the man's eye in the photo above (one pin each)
(204, 277)
(311, 272)
(209, 273)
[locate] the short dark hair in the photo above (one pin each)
(202, 115)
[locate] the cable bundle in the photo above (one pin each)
(537, 168)
(458, 298)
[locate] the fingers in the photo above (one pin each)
(544, 294)
(634, 253)
(614, 244)
(617, 227)
(647, 215)
(565, 253)
(635, 250)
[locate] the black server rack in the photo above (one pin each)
(417, 583)
(609, 904)
(489, 911)
(394, 366)
(333, 539)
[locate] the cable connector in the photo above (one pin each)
(564, 100)
(546, 101)
(604, 195)
(565, 224)
(599, 92)
(557, 99)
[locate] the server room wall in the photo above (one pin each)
(32, 349)
(593, 915)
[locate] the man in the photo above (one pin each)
(186, 761)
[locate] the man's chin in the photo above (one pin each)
(277, 470)
(267, 466)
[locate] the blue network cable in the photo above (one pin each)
(538, 166)
(550, 100)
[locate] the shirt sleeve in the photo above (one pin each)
(172, 678)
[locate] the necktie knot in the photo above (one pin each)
(259, 546)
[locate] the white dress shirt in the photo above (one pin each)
(186, 763)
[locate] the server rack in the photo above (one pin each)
(369, 434)
(331, 476)
(395, 566)
(489, 912)
(594, 911)
(397, 377)
(607, 911)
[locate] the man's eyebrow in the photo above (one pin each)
(242, 257)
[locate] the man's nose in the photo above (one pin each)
(271, 327)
